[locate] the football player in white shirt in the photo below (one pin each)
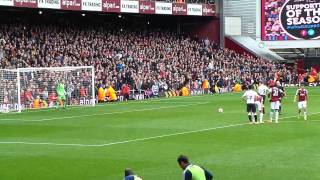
(263, 91)
(260, 107)
(249, 96)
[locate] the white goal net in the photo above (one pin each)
(8, 90)
(37, 88)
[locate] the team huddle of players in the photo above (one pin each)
(275, 92)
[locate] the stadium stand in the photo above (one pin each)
(139, 57)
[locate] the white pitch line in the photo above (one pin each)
(100, 114)
(109, 104)
(126, 141)
(147, 138)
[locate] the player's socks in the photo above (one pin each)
(280, 109)
(271, 116)
(256, 118)
(305, 115)
(277, 117)
(261, 117)
(250, 118)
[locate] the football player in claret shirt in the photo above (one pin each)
(302, 95)
(274, 95)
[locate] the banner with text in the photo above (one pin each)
(6, 3)
(50, 4)
(290, 20)
(111, 6)
(119, 6)
(147, 7)
(92, 5)
(130, 6)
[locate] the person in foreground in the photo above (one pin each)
(191, 171)
(129, 175)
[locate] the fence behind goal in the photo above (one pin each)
(36, 88)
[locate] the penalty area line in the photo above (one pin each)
(146, 138)
(107, 104)
(101, 114)
(126, 141)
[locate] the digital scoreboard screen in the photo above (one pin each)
(290, 20)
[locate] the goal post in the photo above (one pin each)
(36, 88)
(8, 90)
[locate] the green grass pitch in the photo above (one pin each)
(98, 143)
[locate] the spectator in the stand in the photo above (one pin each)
(45, 93)
(83, 92)
(155, 89)
(125, 92)
(148, 60)
(28, 97)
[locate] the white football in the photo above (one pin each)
(220, 110)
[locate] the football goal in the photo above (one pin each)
(52, 87)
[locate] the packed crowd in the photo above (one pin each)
(143, 59)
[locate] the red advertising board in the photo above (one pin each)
(179, 9)
(122, 6)
(208, 10)
(147, 7)
(71, 4)
(26, 3)
(111, 6)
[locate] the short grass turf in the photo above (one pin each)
(52, 144)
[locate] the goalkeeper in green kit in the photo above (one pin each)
(61, 95)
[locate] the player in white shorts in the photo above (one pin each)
(302, 95)
(260, 107)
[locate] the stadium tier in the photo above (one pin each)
(153, 60)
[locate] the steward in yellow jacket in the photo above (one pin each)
(111, 93)
(205, 86)
(237, 88)
(185, 91)
(101, 94)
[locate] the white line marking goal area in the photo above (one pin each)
(146, 138)
(107, 113)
